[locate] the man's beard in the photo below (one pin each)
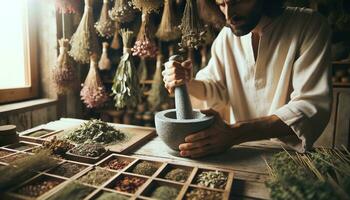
(247, 27)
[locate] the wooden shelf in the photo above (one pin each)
(338, 84)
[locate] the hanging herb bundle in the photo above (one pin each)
(105, 62)
(64, 74)
(115, 44)
(125, 88)
(142, 70)
(67, 6)
(145, 45)
(122, 11)
(158, 93)
(93, 92)
(84, 41)
(105, 26)
(191, 27)
(168, 30)
(147, 6)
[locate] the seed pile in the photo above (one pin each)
(67, 169)
(117, 164)
(200, 194)
(89, 150)
(165, 193)
(129, 184)
(212, 179)
(178, 174)
(145, 168)
(96, 131)
(37, 188)
(96, 177)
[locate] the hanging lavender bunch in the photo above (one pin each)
(105, 26)
(84, 41)
(191, 27)
(122, 11)
(168, 30)
(125, 88)
(93, 92)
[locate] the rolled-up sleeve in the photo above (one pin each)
(213, 77)
(308, 110)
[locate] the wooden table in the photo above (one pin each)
(246, 160)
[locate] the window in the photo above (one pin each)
(18, 68)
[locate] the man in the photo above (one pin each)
(270, 65)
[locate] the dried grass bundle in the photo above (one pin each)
(168, 29)
(158, 94)
(122, 11)
(147, 6)
(105, 62)
(67, 6)
(115, 44)
(93, 92)
(64, 74)
(191, 27)
(125, 86)
(24, 168)
(142, 70)
(144, 45)
(105, 26)
(84, 41)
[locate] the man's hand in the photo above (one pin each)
(219, 137)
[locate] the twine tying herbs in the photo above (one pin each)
(168, 29)
(122, 11)
(105, 26)
(125, 88)
(84, 41)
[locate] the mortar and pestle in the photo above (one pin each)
(174, 125)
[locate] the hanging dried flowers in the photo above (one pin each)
(168, 30)
(144, 45)
(125, 86)
(84, 41)
(158, 94)
(67, 6)
(93, 93)
(64, 74)
(122, 11)
(105, 26)
(191, 27)
(105, 62)
(147, 6)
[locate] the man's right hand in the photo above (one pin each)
(176, 73)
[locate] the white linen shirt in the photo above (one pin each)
(289, 79)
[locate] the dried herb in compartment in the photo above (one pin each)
(93, 92)
(105, 62)
(129, 184)
(212, 179)
(96, 131)
(72, 191)
(168, 29)
(125, 88)
(37, 188)
(105, 26)
(11, 158)
(145, 168)
(57, 146)
(165, 193)
(122, 11)
(96, 177)
(84, 41)
(111, 196)
(89, 150)
(201, 194)
(67, 169)
(5, 153)
(177, 174)
(117, 164)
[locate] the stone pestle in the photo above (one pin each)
(182, 99)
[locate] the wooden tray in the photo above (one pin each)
(25, 135)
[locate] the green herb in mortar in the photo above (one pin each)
(89, 150)
(165, 193)
(96, 131)
(178, 174)
(145, 168)
(97, 177)
(212, 179)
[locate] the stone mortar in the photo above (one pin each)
(174, 125)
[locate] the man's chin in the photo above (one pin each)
(240, 31)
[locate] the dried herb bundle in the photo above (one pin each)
(105, 26)
(112, 196)
(84, 41)
(115, 44)
(96, 177)
(158, 93)
(125, 88)
(201, 194)
(67, 6)
(177, 174)
(56, 146)
(93, 92)
(24, 168)
(144, 45)
(142, 70)
(165, 193)
(95, 131)
(191, 27)
(122, 11)
(64, 74)
(145, 168)
(147, 6)
(89, 150)
(168, 29)
(212, 179)
(72, 191)
(105, 62)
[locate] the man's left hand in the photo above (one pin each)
(219, 137)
